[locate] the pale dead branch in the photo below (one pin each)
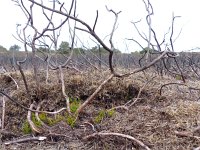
(3, 112)
(102, 134)
(39, 138)
(38, 118)
(63, 89)
(89, 99)
(32, 125)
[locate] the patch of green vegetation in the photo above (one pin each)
(26, 129)
(101, 115)
(35, 121)
(68, 118)
(110, 112)
(71, 120)
(74, 104)
(49, 120)
(53, 121)
(43, 117)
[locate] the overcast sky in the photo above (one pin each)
(132, 10)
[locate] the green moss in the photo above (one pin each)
(43, 117)
(53, 121)
(49, 120)
(101, 115)
(26, 129)
(74, 104)
(110, 112)
(71, 120)
(35, 121)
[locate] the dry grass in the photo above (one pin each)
(153, 119)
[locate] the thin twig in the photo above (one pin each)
(186, 134)
(140, 91)
(3, 112)
(32, 110)
(40, 138)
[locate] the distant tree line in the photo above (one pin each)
(64, 48)
(12, 48)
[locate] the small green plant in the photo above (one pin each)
(49, 120)
(26, 129)
(110, 112)
(101, 115)
(35, 121)
(43, 117)
(74, 104)
(53, 121)
(71, 120)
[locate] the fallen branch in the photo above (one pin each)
(40, 138)
(117, 134)
(197, 148)
(90, 124)
(186, 134)
(94, 94)
(120, 107)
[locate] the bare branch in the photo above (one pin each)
(63, 90)
(95, 23)
(40, 138)
(26, 108)
(120, 135)
(89, 99)
(32, 125)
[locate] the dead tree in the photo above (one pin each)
(51, 33)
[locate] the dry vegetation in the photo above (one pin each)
(167, 121)
(94, 101)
